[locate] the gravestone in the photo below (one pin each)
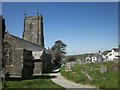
(103, 69)
(79, 61)
(88, 76)
(68, 67)
(114, 67)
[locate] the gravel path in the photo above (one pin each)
(60, 80)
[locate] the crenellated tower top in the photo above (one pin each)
(33, 29)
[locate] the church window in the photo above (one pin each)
(30, 26)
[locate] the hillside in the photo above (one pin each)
(81, 56)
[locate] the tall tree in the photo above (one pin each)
(58, 51)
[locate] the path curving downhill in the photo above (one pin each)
(60, 80)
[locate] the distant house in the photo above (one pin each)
(108, 55)
(112, 55)
(119, 52)
(96, 57)
(88, 59)
(106, 52)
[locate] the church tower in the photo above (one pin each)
(33, 29)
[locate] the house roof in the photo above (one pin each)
(106, 52)
(115, 49)
(97, 55)
(21, 43)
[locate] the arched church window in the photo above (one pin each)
(30, 26)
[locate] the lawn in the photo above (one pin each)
(38, 82)
(101, 80)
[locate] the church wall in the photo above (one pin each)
(18, 62)
(38, 56)
(22, 59)
(37, 69)
(28, 64)
(15, 69)
(13, 66)
(46, 63)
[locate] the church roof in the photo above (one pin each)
(21, 43)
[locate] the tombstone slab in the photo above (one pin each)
(103, 69)
(114, 67)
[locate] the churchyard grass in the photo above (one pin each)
(0, 85)
(108, 79)
(41, 82)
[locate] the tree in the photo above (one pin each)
(58, 51)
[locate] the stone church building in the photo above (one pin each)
(25, 57)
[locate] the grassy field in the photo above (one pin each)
(38, 82)
(0, 85)
(101, 80)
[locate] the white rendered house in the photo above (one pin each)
(112, 55)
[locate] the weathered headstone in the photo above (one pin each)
(88, 76)
(68, 67)
(103, 69)
(79, 61)
(114, 67)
